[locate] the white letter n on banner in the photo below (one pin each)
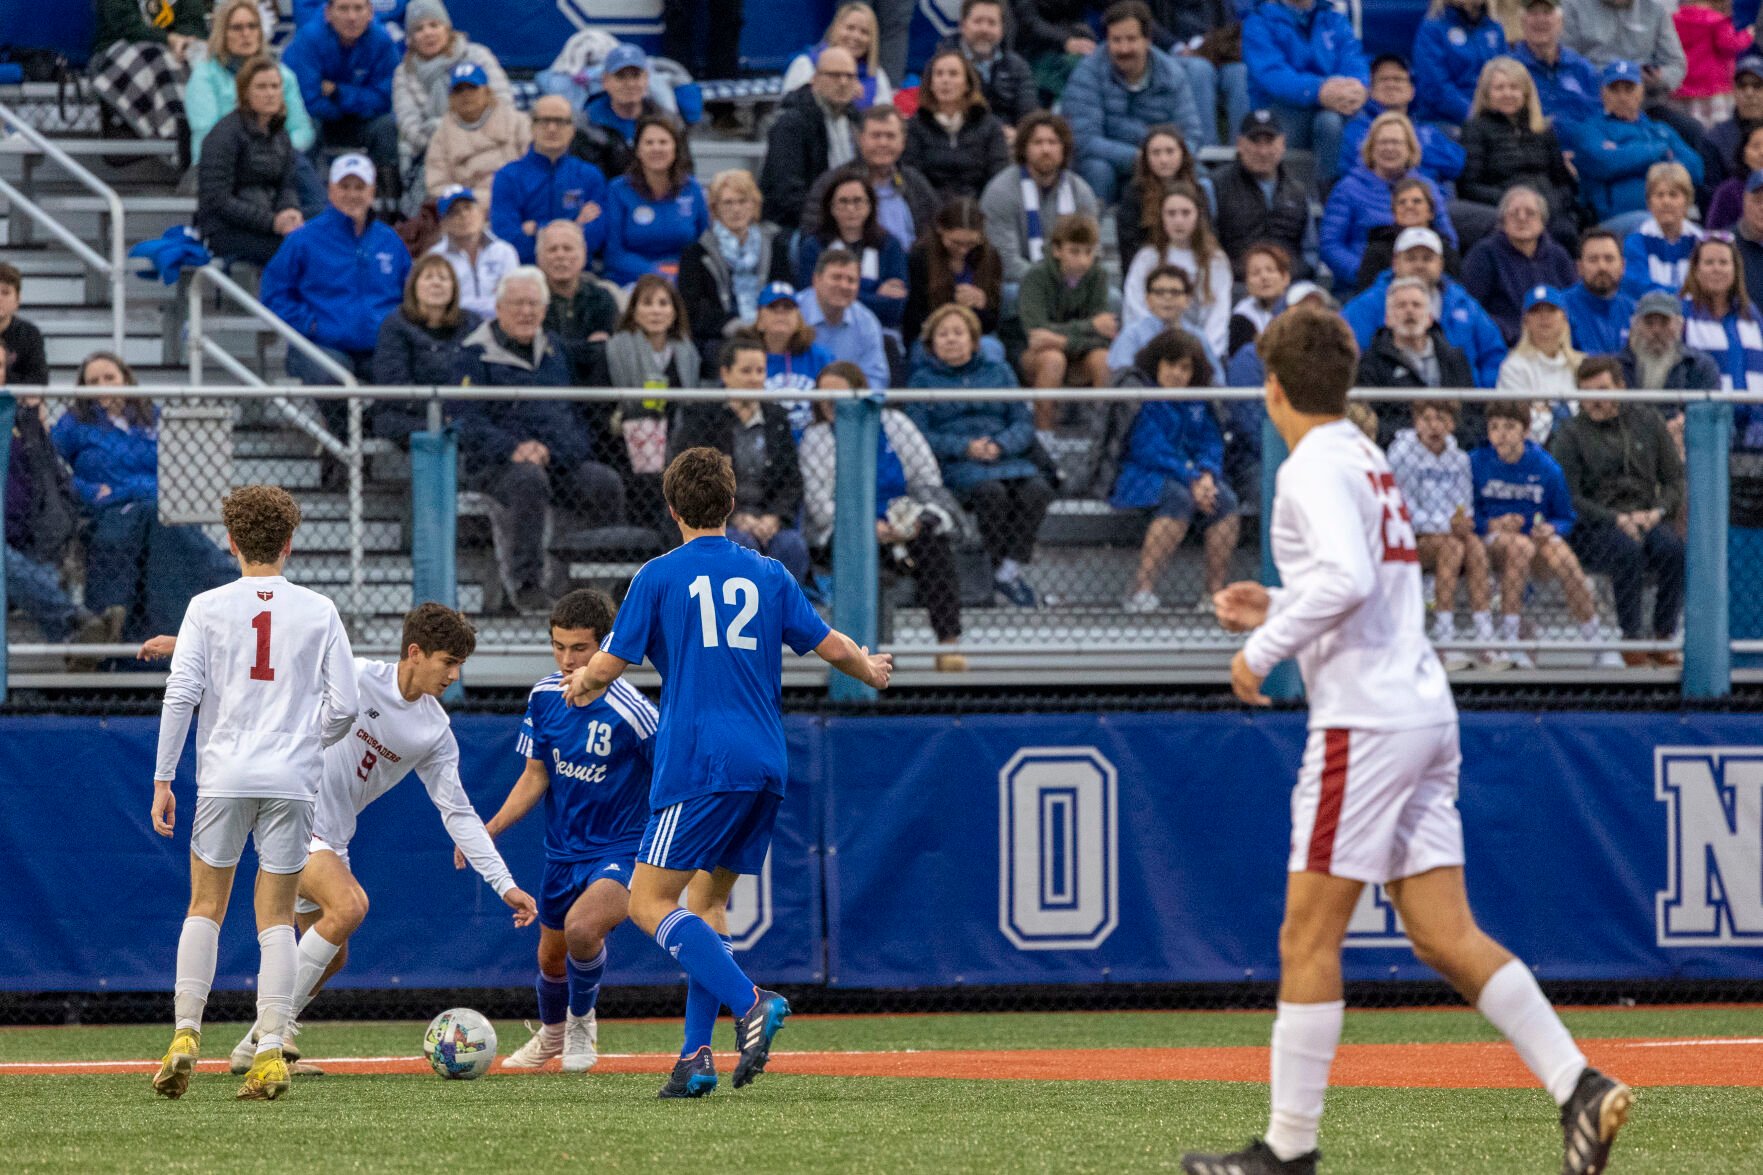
(1714, 880)
(1058, 849)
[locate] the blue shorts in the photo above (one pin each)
(565, 881)
(1178, 503)
(723, 830)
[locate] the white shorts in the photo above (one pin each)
(279, 827)
(1377, 805)
(304, 904)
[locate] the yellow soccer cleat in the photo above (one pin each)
(179, 1062)
(268, 1078)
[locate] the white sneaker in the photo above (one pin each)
(244, 1053)
(534, 1053)
(1141, 602)
(1609, 659)
(1493, 660)
(1455, 660)
(581, 1038)
(1520, 659)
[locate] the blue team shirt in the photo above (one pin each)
(599, 757)
(713, 617)
(1532, 487)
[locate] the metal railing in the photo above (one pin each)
(114, 267)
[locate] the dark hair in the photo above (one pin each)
(968, 6)
(248, 71)
(1514, 410)
(1127, 10)
(1738, 153)
(837, 255)
(1150, 209)
(845, 370)
(987, 267)
(1314, 356)
(881, 112)
(1389, 59)
(1598, 234)
(645, 284)
(588, 608)
(744, 339)
(1409, 182)
(1450, 407)
(872, 233)
(1272, 251)
(261, 519)
(682, 158)
(1737, 301)
(436, 628)
(1166, 271)
(1172, 346)
(10, 276)
(1034, 121)
(976, 95)
(135, 409)
(1075, 230)
(700, 487)
(1592, 366)
(411, 309)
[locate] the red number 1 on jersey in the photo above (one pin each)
(1399, 545)
(262, 671)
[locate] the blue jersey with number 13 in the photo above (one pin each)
(713, 617)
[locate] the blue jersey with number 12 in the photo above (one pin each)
(713, 617)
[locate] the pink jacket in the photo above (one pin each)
(1711, 45)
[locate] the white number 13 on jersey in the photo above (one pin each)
(735, 592)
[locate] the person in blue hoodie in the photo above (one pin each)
(1392, 89)
(335, 280)
(547, 184)
(1362, 200)
(1566, 81)
(344, 63)
(1614, 150)
(1524, 512)
(1307, 66)
(1598, 309)
(1455, 40)
(1420, 253)
(655, 209)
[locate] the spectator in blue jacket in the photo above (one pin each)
(1119, 92)
(1455, 40)
(1656, 255)
(1524, 511)
(848, 218)
(624, 98)
(386, 12)
(1392, 90)
(1566, 82)
(1420, 253)
(546, 184)
(1173, 468)
(1598, 310)
(984, 447)
(1361, 201)
(133, 561)
(1306, 65)
(529, 455)
(344, 64)
(655, 209)
(1614, 151)
(1518, 257)
(335, 280)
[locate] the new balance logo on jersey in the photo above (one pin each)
(1713, 799)
(373, 713)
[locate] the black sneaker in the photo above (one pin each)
(753, 1033)
(692, 1076)
(1017, 591)
(1255, 1159)
(1589, 1122)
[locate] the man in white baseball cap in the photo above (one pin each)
(1420, 253)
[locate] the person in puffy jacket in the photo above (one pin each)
(1508, 141)
(420, 343)
(1307, 65)
(1117, 94)
(1419, 253)
(1711, 49)
(954, 139)
(479, 134)
(424, 80)
(1453, 43)
(1614, 150)
(1392, 90)
(246, 203)
(1362, 199)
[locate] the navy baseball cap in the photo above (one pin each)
(777, 292)
(626, 56)
(1753, 182)
(1544, 296)
(467, 74)
(1260, 124)
(450, 196)
(1620, 71)
(1751, 63)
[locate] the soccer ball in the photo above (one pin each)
(460, 1044)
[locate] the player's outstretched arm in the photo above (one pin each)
(157, 648)
(528, 790)
(601, 671)
(1241, 606)
(853, 660)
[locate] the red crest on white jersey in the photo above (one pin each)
(266, 595)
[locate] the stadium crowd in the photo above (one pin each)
(1563, 198)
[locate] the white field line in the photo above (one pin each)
(6, 1066)
(1694, 1042)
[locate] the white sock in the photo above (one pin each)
(1588, 630)
(1514, 1004)
(1443, 627)
(1509, 626)
(1008, 571)
(316, 953)
(278, 965)
(1304, 1040)
(1484, 625)
(198, 946)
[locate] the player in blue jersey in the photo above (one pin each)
(591, 764)
(713, 617)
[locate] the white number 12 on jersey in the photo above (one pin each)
(741, 591)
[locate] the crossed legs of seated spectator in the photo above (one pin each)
(1518, 556)
(35, 589)
(1177, 511)
(1605, 548)
(1009, 514)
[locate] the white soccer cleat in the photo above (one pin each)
(535, 1053)
(244, 1053)
(581, 1040)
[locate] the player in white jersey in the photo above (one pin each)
(401, 728)
(1376, 800)
(268, 664)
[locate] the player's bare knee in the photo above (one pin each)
(351, 911)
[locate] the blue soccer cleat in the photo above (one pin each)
(692, 1076)
(753, 1033)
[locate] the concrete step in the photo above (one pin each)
(331, 537)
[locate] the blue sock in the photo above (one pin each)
(701, 1011)
(584, 982)
(553, 999)
(698, 949)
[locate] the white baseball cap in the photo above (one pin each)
(1415, 238)
(361, 168)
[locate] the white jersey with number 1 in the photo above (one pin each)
(391, 738)
(269, 665)
(1351, 610)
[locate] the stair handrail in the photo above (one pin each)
(115, 267)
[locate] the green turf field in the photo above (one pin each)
(797, 1123)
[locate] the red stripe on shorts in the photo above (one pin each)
(1328, 804)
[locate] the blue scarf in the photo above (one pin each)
(743, 267)
(1064, 204)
